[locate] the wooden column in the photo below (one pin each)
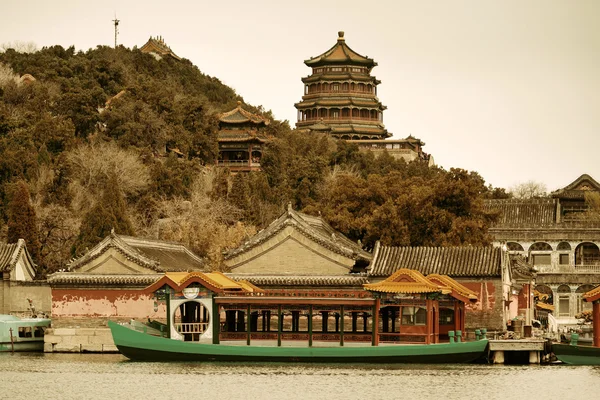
(354, 321)
(279, 325)
(429, 321)
(216, 322)
(341, 325)
(248, 325)
(324, 317)
(375, 322)
(310, 328)
(596, 323)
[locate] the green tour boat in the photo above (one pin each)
(408, 318)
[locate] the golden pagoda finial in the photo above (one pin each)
(239, 103)
(341, 36)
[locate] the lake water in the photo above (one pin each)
(99, 376)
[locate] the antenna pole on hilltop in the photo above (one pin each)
(116, 22)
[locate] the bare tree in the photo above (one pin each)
(19, 46)
(528, 190)
(93, 163)
(7, 75)
(206, 225)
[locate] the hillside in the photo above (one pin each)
(115, 139)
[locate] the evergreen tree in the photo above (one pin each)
(22, 221)
(109, 213)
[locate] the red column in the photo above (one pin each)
(429, 322)
(596, 323)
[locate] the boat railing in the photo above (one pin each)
(191, 327)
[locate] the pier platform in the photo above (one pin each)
(501, 350)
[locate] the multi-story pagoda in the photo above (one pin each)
(241, 139)
(342, 94)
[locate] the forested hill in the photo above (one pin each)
(116, 139)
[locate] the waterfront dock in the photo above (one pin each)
(502, 351)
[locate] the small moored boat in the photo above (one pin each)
(22, 334)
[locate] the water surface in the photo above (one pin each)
(99, 376)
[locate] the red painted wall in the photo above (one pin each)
(104, 303)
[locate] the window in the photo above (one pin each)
(336, 69)
(563, 306)
(541, 259)
(564, 259)
(446, 316)
(335, 87)
(414, 316)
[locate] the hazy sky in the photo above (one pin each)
(507, 88)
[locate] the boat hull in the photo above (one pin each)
(577, 355)
(142, 347)
(23, 346)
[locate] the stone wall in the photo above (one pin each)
(488, 311)
(79, 340)
(14, 295)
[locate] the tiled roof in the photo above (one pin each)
(346, 101)
(523, 212)
(10, 253)
(157, 255)
(215, 281)
(445, 280)
(240, 116)
(302, 280)
(592, 295)
(340, 53)
(312, 227)
(157, 45)
(577, 188)
(406, 281)
(464, 261)
(73, 278)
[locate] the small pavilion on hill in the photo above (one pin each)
(158, 48)
(407, 307)
(241, 139)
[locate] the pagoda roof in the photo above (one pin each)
(312, 227)
(340, 76)
(320, 126)
(410, 140)
(345, 101)
(156, 255)
(240, 136)
(577, 188)
(464, 261)
(240, 116)
(158, 46)
(340, 53)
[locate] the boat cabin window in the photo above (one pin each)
(446, 316)
(31, 331)
(414, 315)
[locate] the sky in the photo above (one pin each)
(507, 88)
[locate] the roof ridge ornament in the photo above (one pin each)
(341, 36)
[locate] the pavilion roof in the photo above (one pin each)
(10, 253)
(592, 295)
(577, 188)
(313, 227)
(215, 281)
(240, 116)
(157, 255)
(406, 281)
(340, 53)
(157, 45)
(458, 290)
(465, 261)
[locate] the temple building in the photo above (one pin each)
(408, 149)
(158, 48)
(241, 139)
(559, 238)
(342, 93)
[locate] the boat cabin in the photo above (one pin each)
(405, 308)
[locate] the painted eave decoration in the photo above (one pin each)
(216, 282)
(592, 295)
(407, 281)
